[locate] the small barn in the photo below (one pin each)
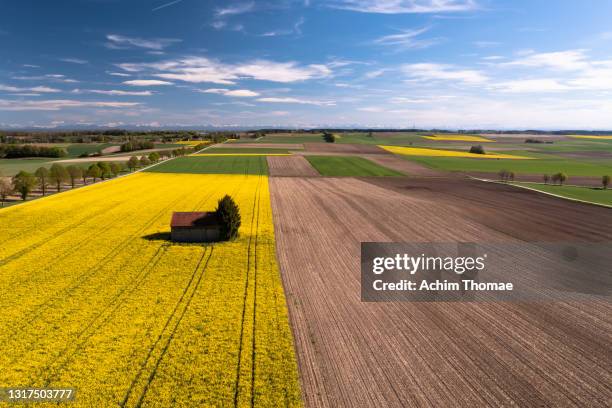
(195, 227)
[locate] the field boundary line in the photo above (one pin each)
(254, 345)
(187, 303)
(20, 205)
(246, 290)
(542, 192)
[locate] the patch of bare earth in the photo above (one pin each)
(290, 166)
(111, 149)
(433, 354)
(99, 159)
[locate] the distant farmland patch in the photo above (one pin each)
(459, 138)
(595, 168)
(10, 167)
(592, 137)
(243, 150)
(214, 165)
(77, 149)
(340, 166)
(293, 138)
(420, 151)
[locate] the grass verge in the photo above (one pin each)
(591, 194)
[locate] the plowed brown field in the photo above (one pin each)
(290, 166)
(433, 354)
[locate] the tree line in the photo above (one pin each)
(133, 145)
(10, 151)
(115, 135)
(24, 183)
(557, 178)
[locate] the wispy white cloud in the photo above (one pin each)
(240, 93)
(407, 39)
(25, 94)
(371, 109)
(119, 74)
(218, 24)
(58, 104)
(443, 72)
(570, 70)
(75, 61)
(222, 14)
(404, 100)
(570, 60)
(116, 41)
(112, 92)
(35, 89)
(297, 30)
(299, 101)
(404, 6)
(201, 69)
(147, 82)
(47, 77)
(531, 86)
(31, 66)
(163, 6)
(376, 73)
(486, 44)
(235, 9)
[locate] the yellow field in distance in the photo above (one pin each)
(192, 142)
(459, 138)
(95, 297)
(419, 151)
(592, 137)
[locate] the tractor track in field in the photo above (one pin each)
(254, 224)
(116, 302)
(185, 299)
(253, 345)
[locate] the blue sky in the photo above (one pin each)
(395, 63)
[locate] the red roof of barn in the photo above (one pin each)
(194, 219)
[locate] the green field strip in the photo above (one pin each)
(349, 166)
(591, 195)
(214, 165)
(593, 168)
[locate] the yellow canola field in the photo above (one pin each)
(459, 138)
(93, 296)
(239, 154)
(192, 142)
(419, 151)
(592, 137)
